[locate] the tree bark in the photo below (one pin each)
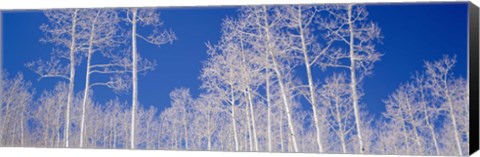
(269, 110)
(280, 81)
(71, 79)
(311, 85)
(248, 126)
(234, 125)
(185, 126)
(340, 124)
(353, 81)
(430, 127)
(87, 79)
(452, 115)
(134, 78)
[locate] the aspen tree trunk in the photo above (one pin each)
(115, 132)
(94, 138)
(311, 85)
(248, 127)
(280, 81)
(105, 132)
(255, 139)
(430, 127)
(340, 125)
(353, 81)
(249, 98)
(87, 79)
(14, 135)
(7, 120)
(269, 110)
(57, 128)
(282, 147)
(45, 137)
(111, 132)
(22, 130)
(245, 140)
(286, 105)
(148, 135)
(185, 126)
(289, 145)
(125, 142)
(159, 136)
(134, 78)
(404, 128)
(467, 108)
(71, 79)
(232, 101)
(175, 135)
(452, 115)
(4, 129)
(209, 136)
(415, 130)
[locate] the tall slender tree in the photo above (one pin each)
(334, 95)
(441, 82)
(348, 25)
(62, 32)
(143, 17)
(103, 36)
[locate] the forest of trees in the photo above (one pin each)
(252, 97)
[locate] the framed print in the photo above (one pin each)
(336, 78)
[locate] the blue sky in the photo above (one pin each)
(412, 34)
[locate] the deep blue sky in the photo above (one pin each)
(412, 34)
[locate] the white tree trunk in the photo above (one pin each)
(353, 81)
(311, 85)
(255, 139)
(269, 110)
(404, 128)
(147, 138)
(415, 130)
(4, 129)
(452, 116)
(14, 135)
(125, 124)
(22, 123)
(286, 105)
(87, 81)
(114, 131)
(72, 78)
(46, 128)
(185, 126)
(434, 136)
(340, 125)
(430, 127)
(280, 124)
(134, 78)
(234, 125)
(209, 136)
(249, 98)
(56, 140)
(280, 82)
(94, 130)
(248, 126)
(175, 135)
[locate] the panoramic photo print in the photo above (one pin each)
(317, 78)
